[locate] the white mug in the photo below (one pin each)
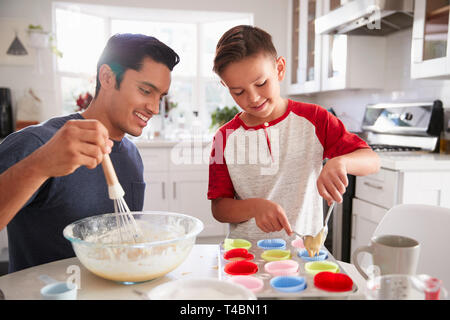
(393, 254)
(57, 290)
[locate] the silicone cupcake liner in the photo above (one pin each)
(268, 244)
(314, 267)
(229, 244)
(238, 254)
(281, 268)
(288, 283)
(335, 282)
(298, 243)
(243, 268)
(272, 266)
(252, 283)
(276, 254)
(305, 256)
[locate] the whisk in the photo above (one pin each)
(126, 224)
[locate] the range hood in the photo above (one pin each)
(367, 17)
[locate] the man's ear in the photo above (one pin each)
(281, 68)
(107, 77)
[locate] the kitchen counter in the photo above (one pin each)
(163, 143)
(202, 262)
(415, 161)
(400, 161)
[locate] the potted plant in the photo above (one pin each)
(222, 115)
(41, 39)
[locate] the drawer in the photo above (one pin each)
(365, 220)
(155, 159)
(368, 211)
(380, 188)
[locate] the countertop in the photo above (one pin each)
(401, 161)
(163, 143)
(202, 262)
(415, 161)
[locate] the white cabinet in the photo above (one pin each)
(365, 219)
(172, 185)
(376, 194)
(188, 193)
(430, 51)
(379, 188)
(351, 62)
(304, 60)
(388, 188)
(431, 188)
(330, 62)
(156, 193)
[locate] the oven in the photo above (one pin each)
(388, 128)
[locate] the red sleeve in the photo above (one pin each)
(335, 138)
(330, 131)
(220, 184)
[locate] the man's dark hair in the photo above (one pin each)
(126, 51)
(241, 42)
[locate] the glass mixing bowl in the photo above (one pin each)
(168, 240)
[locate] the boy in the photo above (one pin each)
(266, 171)
(49, 173)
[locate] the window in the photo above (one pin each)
(82, 32)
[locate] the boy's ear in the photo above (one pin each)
(281, 68)
(107, 77)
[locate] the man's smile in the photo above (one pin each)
(141, 116)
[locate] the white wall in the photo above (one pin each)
(350, 104)
(270, 15)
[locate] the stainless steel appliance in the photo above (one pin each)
(387, 127)
(367, 17)
(6, 118)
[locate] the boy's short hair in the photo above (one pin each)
(126, 51)
(240, 42)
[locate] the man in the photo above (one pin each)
(50, 174)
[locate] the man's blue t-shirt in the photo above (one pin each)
(35, 234)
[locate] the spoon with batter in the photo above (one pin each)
(313, 244)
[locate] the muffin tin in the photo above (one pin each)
(304, 283)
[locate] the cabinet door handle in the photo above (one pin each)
(163, 189)
(174, 190)
(373, 185)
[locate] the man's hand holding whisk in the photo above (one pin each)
(77, 143)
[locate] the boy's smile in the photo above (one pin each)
(261, 106)
(254, 83)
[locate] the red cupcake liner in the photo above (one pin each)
(243, 268)
(238, 253)
(335, 282)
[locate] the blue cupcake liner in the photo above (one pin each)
(268, 244)
(288, 283)
(305, 256)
